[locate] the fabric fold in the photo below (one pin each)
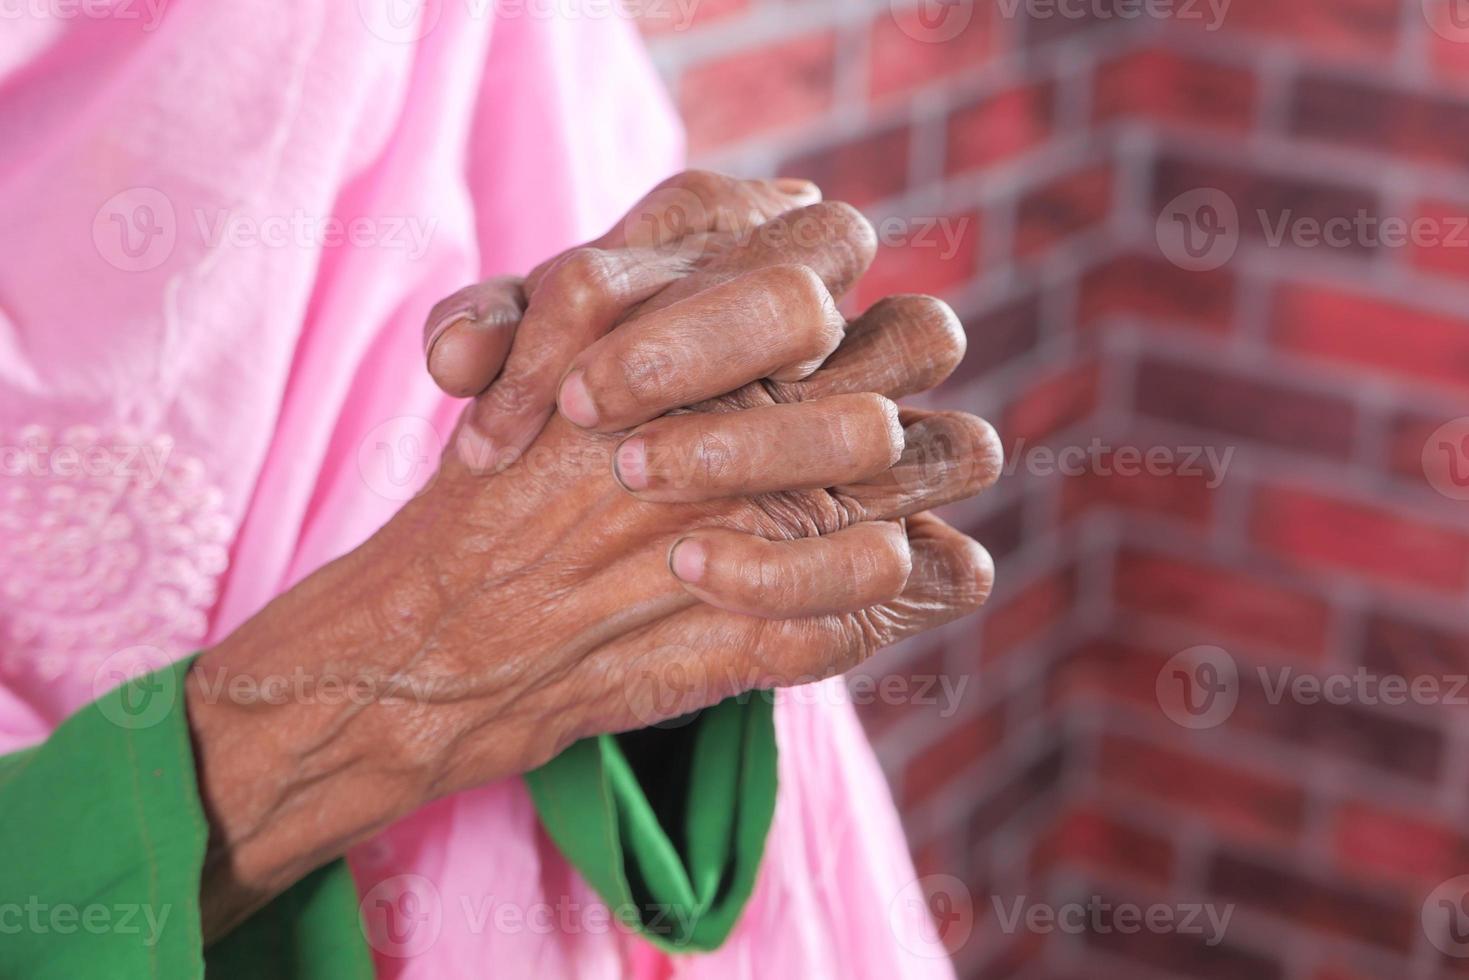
(668, 825)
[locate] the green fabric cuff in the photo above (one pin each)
(668, 824)
(104, 837)
(103, 820)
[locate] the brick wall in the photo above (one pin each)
(1234, 527)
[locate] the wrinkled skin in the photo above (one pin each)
(739, 506)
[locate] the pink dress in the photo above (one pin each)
(223, 226)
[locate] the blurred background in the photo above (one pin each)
(1213, 259)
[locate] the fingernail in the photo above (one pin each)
(687, 560)
(798, 187)
(576, 401)
(630, 464)
(441, 327)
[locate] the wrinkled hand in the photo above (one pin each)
(506, 342)
(771, 534)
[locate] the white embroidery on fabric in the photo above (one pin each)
(107, 539)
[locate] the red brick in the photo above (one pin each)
(1002, 531)
(1296, 209)
(861, 171)
(1403, 847)
(1108, 670)
(907, 54)
(1338, 971)
(998, 335)
(1168, 87)
(1157, 290)
(1262, 411)
(1022, 789)
(1060, 208)
(1365, 539)
(950, 755)
(999, 127)
(1176, 953)
(924, 260)
(1011, 621)
(1373, 335)
(1228, 604)
(1444, 245)
(1395, 646)
(751, 92)
(1236, 802)
(1324, 904)
(1361, 29)
(1052, 404)
(1183, 496)
(1427, 127)
(1090, 837)
(1448, 55)
(1408, 434)
(1403, 746)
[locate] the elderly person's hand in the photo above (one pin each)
(769, 536)
(507, 342)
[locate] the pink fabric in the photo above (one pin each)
(207, 390)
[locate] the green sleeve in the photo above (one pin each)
(104, 835)
(669, 824)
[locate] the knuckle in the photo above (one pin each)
(851, 226)
(511, 394)
(714, 456)
(582, 280)
(642, 369)
(942, 328)
(707, 185)
(773, 585)
(803, 299)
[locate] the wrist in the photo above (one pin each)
(294, 760)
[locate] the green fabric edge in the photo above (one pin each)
(598, 817)
(121, 825)
(109, 813)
